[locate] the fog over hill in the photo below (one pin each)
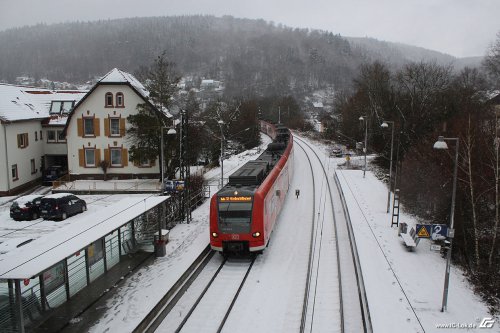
(250, 56)
(399, 53)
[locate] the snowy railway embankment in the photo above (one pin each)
(404, 288)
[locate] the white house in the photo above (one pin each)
(96, 130)
(24, 143)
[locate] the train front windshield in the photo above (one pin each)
(235, 217)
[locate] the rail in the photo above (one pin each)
(310, 260)
(342, 323)
(154, 318)
(367, 322)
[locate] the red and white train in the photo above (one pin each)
(243, 213)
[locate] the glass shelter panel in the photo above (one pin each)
(112, 249)
(77, 273)
(31, 300)
(96, 260)
(7, 306)
(54, 284)
(127, 236)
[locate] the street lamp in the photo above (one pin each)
(220, 122)
(385, 124)
(222, 139)
(441, 144)
(171, 131)
(365, 119)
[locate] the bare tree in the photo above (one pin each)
(492, 62)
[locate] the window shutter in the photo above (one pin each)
(81, 157)
(124, 157)
(97, 157)
(107, 157)
(97, 129)
(26, 143)
(106, 127)
(122, 126)
(19, 141)
(79, 124)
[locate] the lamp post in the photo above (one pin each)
(159, 243)
(385, 124)
(170, 132)
(220, 122)
(441, 144)
(162, 162)
(365, 119)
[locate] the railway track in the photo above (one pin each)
(352, 309)
(203, 298)
(209, 290)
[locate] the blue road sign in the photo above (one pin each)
(439, 231)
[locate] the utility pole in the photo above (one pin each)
(220, 122)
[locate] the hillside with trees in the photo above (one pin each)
(252, 57)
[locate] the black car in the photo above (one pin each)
(26, 207)
(61, 205)
(52, 173)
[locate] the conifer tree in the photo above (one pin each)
(145, 130)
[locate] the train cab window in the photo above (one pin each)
(235, 212)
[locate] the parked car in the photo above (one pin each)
(173, 186)
(61, 205)
(52, 173)
(336, 152)
(26, 207)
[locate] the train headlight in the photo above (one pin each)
(215, 235)
(256, 234)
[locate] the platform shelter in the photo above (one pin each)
(43, 274)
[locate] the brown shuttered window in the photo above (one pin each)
(81, 157)
(79, 124)
(107, 157)
(97, 157)
(89, 129)
(106, 127)
(122, 126)
(114, 127)
(124, 157)
(97, 129)
(91, 157)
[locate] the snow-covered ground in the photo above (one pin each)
(404, 288)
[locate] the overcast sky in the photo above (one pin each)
(461, 28)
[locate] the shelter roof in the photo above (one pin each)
(35, 257)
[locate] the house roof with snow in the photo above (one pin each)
(317, 104)
(118, 77)
(20, 103)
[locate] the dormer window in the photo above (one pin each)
(109, 100)
(119, 99)
(58, 107)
